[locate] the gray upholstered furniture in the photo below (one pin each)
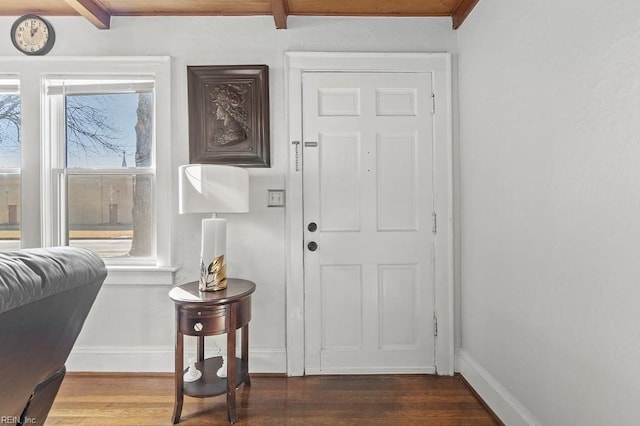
(45, 296)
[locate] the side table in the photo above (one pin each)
(200, 313)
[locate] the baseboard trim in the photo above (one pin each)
(117, 374)
(508, 409)
(367, 370)
(159, 359)
(153, 374)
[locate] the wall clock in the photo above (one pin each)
(32, 35)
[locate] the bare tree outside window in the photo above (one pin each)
(142, 204)
(9, 124)
(9, 178)
(101, 131)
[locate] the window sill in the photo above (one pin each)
(140, 275)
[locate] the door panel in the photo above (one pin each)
(341, 317)
(367, 183)
(397, 197)
(339, 171)
(398, 290)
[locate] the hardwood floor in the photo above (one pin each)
(119, 399)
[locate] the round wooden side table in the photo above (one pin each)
(204, 313)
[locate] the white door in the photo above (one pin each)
(368, 188)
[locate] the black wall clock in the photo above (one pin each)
(32, 35)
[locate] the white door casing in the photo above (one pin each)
(367, 185)
(438, 65)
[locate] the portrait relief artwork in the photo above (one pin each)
(229, 115)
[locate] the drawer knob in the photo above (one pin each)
(198, 326)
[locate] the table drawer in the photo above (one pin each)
(207, 322)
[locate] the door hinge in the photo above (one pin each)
(435, 326)
(435, 222)
(433, 103)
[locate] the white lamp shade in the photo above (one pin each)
(211, 188)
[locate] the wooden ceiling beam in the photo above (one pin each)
(280, 10)
(462, 10)
(92, 11)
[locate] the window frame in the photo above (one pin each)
(38, 201)
(56, 224)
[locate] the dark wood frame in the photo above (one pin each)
(204, 84)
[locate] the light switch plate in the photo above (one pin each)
(275, 198)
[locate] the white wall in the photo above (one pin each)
(550, 160)
(131, 327)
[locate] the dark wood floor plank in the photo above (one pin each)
(122, 400)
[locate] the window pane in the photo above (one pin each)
(9, 159)
(9, 211)
(9, 130)
(109, 130)
(111, 215)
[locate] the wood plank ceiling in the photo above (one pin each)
(99, 12)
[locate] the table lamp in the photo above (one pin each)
(209, 188)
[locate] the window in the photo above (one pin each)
(102, 164)
(9, 163)
(85, 159)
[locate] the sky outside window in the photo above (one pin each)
(113, 117)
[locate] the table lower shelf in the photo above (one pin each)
(210, 384)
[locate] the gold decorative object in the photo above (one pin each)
(214, 276)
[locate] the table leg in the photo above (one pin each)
(231, 364)
(179, 366)
(245, 352)
(200, 348)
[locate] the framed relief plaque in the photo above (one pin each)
(229, 115)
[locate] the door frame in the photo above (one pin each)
(439, 65)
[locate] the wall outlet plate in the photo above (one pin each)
(275, 198)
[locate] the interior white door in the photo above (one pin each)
(368, 188)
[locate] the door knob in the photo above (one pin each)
(312, 246)
(312, 227)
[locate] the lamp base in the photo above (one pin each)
(214, 276)
(209, 287)
(213, 270)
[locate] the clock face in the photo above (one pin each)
(32, 35)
